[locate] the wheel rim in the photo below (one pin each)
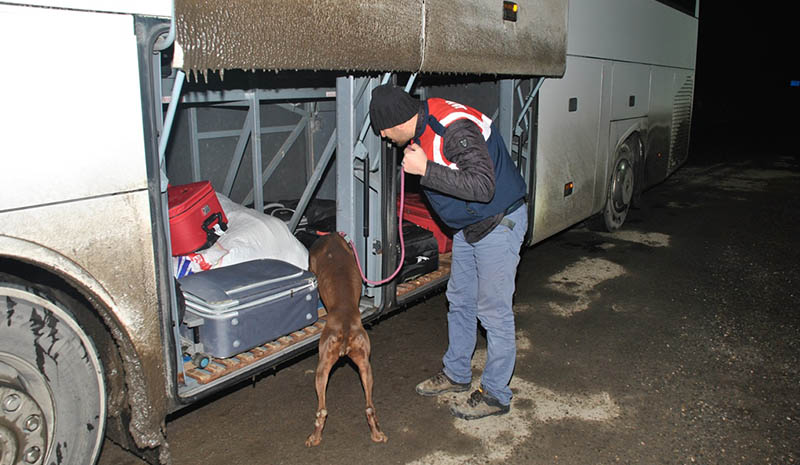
(620, 190)
(29, 409)
(24, 424)
(622, 186)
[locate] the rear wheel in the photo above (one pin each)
(52, 390)
(620, 187)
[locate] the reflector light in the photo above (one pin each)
(510, 11)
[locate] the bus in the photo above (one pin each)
(110, 104)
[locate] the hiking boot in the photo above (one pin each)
(480, 404)
(439, 384)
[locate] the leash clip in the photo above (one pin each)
(345, 237)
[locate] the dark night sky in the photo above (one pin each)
(745, 61)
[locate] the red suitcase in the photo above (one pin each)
(415, 211)
(193, 211)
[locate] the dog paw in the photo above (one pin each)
(379, 437)
(313, 440)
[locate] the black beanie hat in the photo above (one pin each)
(390, 106)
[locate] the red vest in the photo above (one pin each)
(446, 112)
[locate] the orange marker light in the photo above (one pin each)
(510, 11)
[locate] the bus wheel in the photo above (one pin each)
(52, 391)
(620, 188)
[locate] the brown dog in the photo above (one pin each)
(332, 260)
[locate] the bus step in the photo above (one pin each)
(219, 367)
(445, 260)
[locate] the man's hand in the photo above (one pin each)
(414, 160)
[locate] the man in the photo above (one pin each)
(474, 187)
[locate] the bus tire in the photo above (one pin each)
(52, 389)
(621, 187)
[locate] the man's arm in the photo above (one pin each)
(473, 181)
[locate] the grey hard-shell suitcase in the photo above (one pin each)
(248, 304)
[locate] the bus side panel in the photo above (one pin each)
(683, 96)
(161, 8)
(72, 101)
(73, 186)
(632, 31)
(659, 124)
(630, 92)
(670, 120)
(570, 123)
(109, 239)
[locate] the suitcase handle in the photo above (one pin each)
(211, 220)
(208, 224)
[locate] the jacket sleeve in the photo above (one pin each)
(473, 181)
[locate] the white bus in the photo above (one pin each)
(618, 121)
(106, 103)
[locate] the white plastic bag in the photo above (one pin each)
(250, 236)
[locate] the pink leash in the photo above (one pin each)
(400, 232)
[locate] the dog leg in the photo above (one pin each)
(359, 354)
(328, 355)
